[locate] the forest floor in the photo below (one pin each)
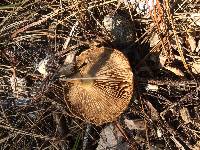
(161, 40)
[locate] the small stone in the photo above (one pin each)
(120, 28)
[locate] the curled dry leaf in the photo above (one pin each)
(103, 86)
(162, 63)
(176, 71)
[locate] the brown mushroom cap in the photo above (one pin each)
(104, 86)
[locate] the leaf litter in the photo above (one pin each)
(41, 40)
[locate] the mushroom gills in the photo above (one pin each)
(103, 88)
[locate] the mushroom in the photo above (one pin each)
(103, 86)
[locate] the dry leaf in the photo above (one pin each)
(162, 60)
(154, 39)
(176, 71)
(107, 138)
(69, 64)
(18, 85)
(42, 67)
(192, 43)
(110, 140)
(159, 132)
(178, 144)
(196, 18)
(151, 87)
(185, 115)
(198, 47)
(135, 124)
(153, 112)
(196, 146)
(196, 67)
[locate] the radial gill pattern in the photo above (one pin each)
(103, 88)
